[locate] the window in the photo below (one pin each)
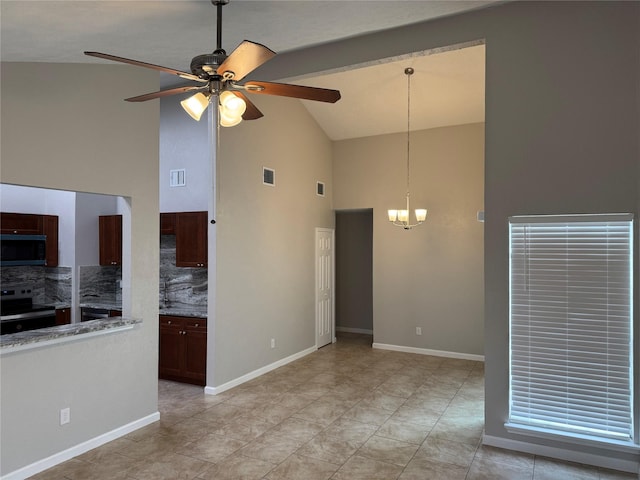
(571, 355)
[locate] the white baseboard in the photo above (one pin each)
(354, 330)
(69, 453)
(426, 351)
(256, 373)
(601, 461)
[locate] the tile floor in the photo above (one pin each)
(346, 412)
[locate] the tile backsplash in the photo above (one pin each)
(100, 284)
(180, 285)
(50, 285)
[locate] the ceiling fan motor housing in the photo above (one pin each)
(205, 66)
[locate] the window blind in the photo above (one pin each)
(571, 335)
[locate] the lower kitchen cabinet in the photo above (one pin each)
(63, 316)
(183, 349)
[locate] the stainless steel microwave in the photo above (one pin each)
(22, 250)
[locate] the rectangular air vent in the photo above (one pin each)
(268, 176)
(320, 189)
(177, 178)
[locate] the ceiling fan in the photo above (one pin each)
(218, 76)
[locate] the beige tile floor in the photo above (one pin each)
(346, 412)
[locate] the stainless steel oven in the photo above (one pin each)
(18, 313)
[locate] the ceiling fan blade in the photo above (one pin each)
(252, 112)
(296, 91)
(137, 63)
(164, 93)
(245, 59)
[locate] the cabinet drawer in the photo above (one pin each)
(195, 323)
(170, 321)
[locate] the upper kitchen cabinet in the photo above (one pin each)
(191, 239)
(168, 223)
(21, 223)
(110, 232)
(50, 229)
(33, 224)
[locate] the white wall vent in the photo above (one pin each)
(178, 178)
(320, 189)
(268, 176)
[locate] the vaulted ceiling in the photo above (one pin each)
(447, 88)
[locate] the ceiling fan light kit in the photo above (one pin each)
(219, 74)
(401, 218)
(195, 105)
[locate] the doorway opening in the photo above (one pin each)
(354, 276)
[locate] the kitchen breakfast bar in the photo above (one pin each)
(32, 339)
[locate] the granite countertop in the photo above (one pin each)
(105, 305)
(184, 310)
(43, 336)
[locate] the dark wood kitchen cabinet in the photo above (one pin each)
(110, 234)
(50, 229)
(63, 316)
(32, 224)
(191, 239)
(20, 223)
(167, 224)
(183, 349)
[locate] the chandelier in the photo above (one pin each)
(400, 218)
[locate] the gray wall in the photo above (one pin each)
(431, 276)
(354, 271)
(77, 134)
(562, 129)
(266, 237)
(183, 144)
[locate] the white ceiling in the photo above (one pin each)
(448, 88)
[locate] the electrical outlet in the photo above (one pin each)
(418, 330)
(65, 416)
(273, 343)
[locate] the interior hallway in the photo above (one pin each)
(345, 412)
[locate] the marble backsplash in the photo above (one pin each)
(50, 285)
(180, 285)
(100, 284)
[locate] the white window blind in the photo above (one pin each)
(571, 335)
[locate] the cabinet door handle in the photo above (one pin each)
(169, 322)
(197, 324)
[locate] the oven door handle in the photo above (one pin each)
(27, 315)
